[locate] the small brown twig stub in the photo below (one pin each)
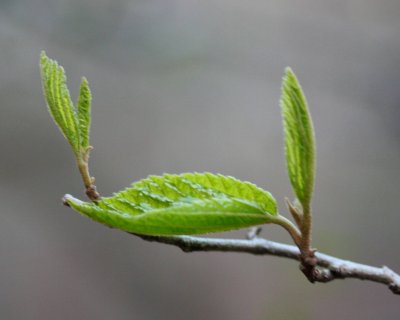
(92, 193)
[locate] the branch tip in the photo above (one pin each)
(327, 268)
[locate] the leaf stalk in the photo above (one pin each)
(291, 228)
(88, 181)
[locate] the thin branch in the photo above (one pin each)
(329, 267)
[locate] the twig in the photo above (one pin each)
(329, 267)
(88, 181)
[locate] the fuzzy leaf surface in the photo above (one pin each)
(190, 203)
(59, 100)
(299, 138)
(83, 108)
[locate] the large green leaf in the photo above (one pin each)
(299, 138)
(190, 203)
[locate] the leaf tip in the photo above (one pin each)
(84, 81)
(288, 70)
(43, 55)
(70, 201)
(290, 79)
(43, 61)
(84, 93)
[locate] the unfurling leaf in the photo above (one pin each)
(299, 138)
(73, 123)
(83, 106)
(190, 203)
(59, 101)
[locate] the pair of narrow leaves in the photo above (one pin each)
(74, 122)
(190, 203)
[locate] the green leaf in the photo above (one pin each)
(59, 101)
(299, 138)
(190, 203)
(83, 106)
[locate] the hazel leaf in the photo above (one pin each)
(83, 109)
(59, 101)
(299, 138)
(190, 203)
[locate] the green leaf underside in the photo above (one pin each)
(299, 138)
(73, 123)
(190, 203)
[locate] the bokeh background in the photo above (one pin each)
(194, 86)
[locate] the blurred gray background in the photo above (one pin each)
(194, 86)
